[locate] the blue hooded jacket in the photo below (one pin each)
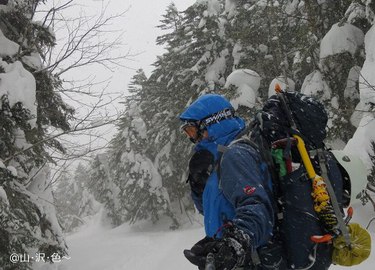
(243, 193)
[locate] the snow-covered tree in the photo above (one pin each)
(288, 39)
(30, 108)
(101, 186)
(73, 200)
(66, 205)
(141, 195)
(363, 117)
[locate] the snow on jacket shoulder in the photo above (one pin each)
(246, 184)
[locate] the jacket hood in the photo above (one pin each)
(222, 133)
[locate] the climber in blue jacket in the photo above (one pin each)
(229, 185)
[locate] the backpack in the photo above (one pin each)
(282, 117)
(296, 220)
(308, 114)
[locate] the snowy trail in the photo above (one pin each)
(97, 247)
(124, 248)
(121, 249)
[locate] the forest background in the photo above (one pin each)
(238, 48)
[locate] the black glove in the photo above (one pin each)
(198, 253)
(228, 252)
(200, 167)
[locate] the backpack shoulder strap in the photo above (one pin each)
(244, 139)
(240, 138)
(265, 158)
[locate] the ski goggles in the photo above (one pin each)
(192, 130)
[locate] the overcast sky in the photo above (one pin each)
(139, 24)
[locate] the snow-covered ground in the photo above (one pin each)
(98, 247)
(147, 247)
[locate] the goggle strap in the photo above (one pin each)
(217, 117)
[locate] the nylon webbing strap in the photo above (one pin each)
(217, 117)
(336, 208)
(222, 148)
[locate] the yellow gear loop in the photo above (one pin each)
(319, 194)
(322, 202)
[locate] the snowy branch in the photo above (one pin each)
(75, 130)
(87, 41)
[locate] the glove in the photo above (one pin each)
(198, 253)
(228, 252)
(201, 165)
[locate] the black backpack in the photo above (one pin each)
(309, 116)
(293, 190)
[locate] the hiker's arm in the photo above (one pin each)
(244, 186)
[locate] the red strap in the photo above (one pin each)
(225, 225)
(288, 164)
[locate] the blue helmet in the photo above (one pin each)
(205, 106)
(214, 113)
